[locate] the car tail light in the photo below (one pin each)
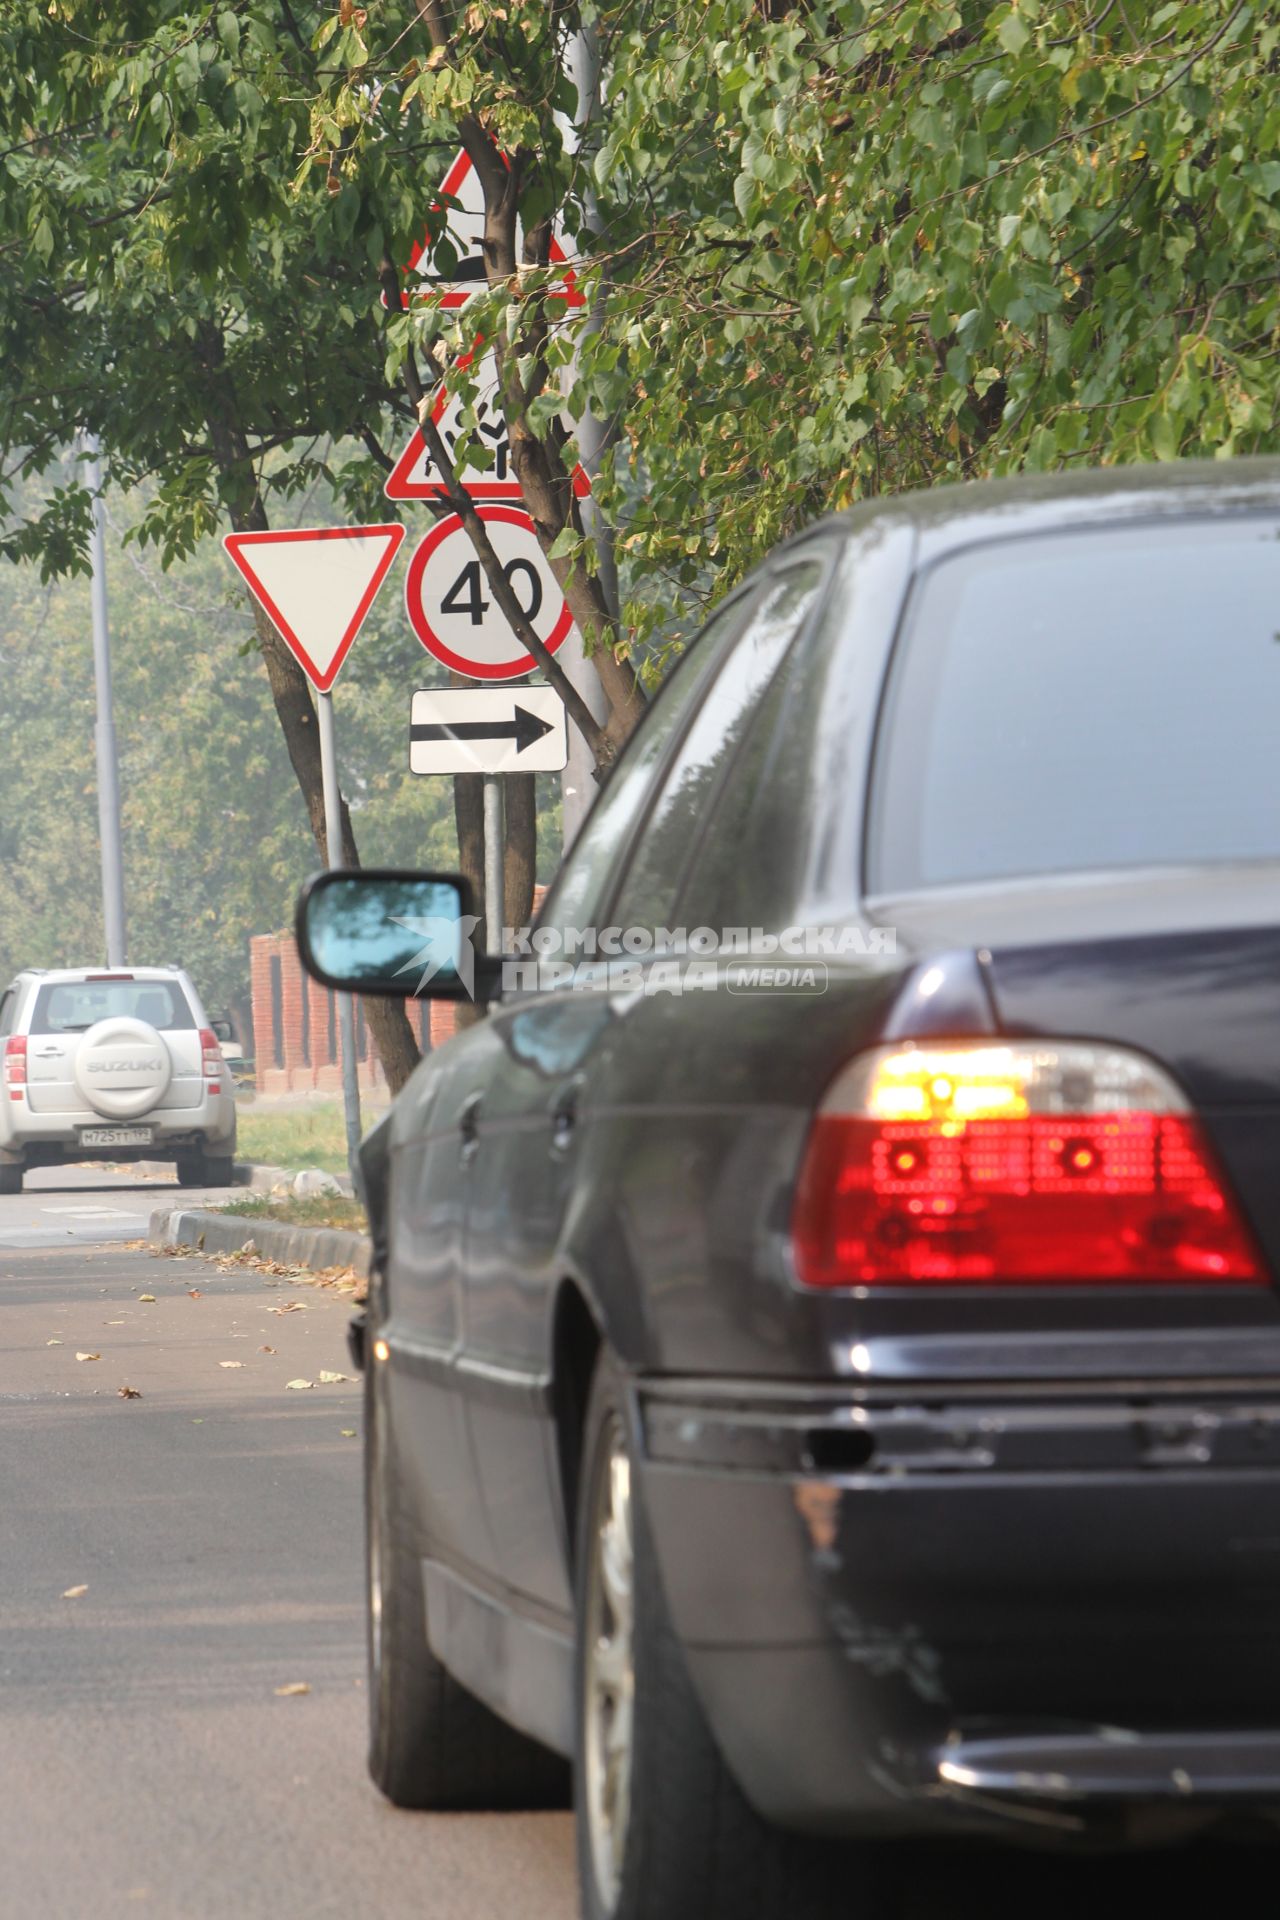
(1043, 1163)
(15, 1065)
(211, 1054)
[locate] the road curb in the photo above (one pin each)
(273, 1239)
(247, 1173)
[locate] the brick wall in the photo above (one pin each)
(307, 1051)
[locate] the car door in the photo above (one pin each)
(549, 1046)
(534, 1057)
(419, 1309)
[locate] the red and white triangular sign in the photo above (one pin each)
(316, 585)
(415, 477)
(465, 227)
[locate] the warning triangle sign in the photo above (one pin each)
(464, 224)
(316, 585)
(415, 476)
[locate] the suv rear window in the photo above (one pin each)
(1086, 700)
(69, 1006)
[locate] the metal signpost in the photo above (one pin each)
(104, 733)
(316, 586)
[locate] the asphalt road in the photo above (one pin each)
(148, 1764)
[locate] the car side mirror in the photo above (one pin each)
(221, 1029)
(385, 932)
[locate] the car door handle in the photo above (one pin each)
(469, 1124)
(564, 1118)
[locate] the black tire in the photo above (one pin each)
(431, 1743)
(10, 1179)
(205, 1170)
(694, 1848)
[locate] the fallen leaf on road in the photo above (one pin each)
(113, 1323)
(266, 1349)
(88, 1356)
(129, 1393)
(290, 1306)
(231, 1363)
(53, 1343)
(73, 1593)
(148, 1296)
(328, 1379)
(348, 1433)
(193, 1292)
(294, 1686)
(291, 1386)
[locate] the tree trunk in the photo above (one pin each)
(520, 870)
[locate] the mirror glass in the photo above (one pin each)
(399, 934)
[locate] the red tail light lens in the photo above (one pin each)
(15, 1065)
(211, 1053)
(1021, 1164)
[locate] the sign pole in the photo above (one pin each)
(346, 1005)
(104, 734)
(494, 863)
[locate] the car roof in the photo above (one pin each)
(944, 518)
(102, 975)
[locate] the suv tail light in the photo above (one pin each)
(211, 1055)
(1041, 1163)
(15, 1064)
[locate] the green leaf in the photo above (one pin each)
(566, 543)
(1013, 33)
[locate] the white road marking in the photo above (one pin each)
(94, 1213)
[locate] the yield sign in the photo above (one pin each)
(464, 224)
(316, 585)
(415, 477)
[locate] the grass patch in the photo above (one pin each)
(304, 1210)
(310, 1136)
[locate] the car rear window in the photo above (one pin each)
(1086, 700)
(69, 1006)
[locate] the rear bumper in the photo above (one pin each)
(53, 1138)
(1046, 1615)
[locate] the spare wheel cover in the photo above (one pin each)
(122, 1068)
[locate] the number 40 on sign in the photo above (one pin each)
(450, 605)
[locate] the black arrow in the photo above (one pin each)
(524, 729)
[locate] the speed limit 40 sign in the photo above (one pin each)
(451, 606)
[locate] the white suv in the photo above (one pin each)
(113, 1065)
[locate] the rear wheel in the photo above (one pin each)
(10, 1179)
(431, 1743)
(663, 1828)
(200, 1169)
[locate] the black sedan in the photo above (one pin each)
(824, 1360)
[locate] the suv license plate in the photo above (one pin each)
(116, 1136)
